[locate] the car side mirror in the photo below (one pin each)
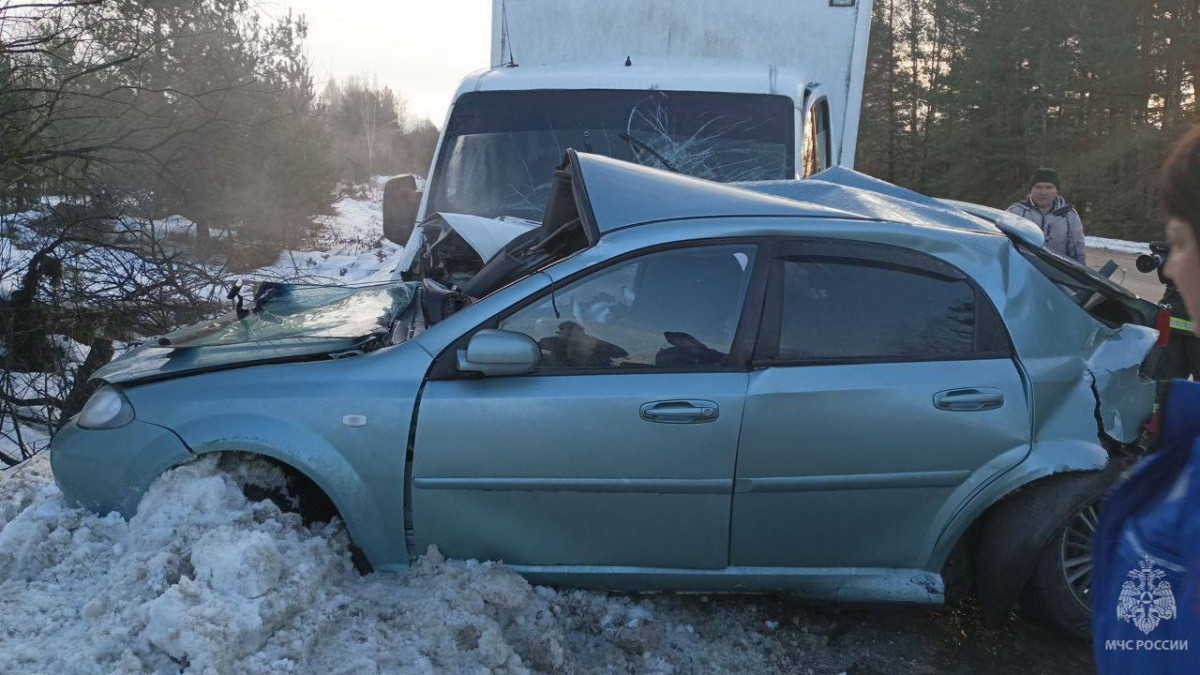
(499, 352)
(401, 201)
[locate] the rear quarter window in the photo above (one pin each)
(1096, 294)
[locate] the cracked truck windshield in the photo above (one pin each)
(500, 163)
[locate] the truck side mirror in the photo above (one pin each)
(401, 200)
(499, 352)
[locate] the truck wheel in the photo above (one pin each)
(1060, 588)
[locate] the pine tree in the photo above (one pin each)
(965, 98)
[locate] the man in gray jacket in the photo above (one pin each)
(1059, 220)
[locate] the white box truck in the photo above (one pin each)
(725, 91)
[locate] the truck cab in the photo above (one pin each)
(766, 91)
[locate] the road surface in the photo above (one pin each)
(1146, 286)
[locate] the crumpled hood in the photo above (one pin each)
(486, 235)
(285, 322)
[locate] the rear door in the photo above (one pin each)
(884, 382)
(619, 449)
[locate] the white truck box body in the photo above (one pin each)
(810, 51)
(823, 44)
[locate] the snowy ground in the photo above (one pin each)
(353, 250)
(350, 251)
(203, 580)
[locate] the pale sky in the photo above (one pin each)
(420, 48)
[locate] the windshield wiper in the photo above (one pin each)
(639, 145)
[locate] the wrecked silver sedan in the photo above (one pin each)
(832, 387)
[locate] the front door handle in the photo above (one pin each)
(972, 399)
(689, 411)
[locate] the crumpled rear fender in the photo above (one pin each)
(1014, 531)
(1087, 396)
(1049, 458)
(1070, 460)
(1077, 369)
(1124, 395)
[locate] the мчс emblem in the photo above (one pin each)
(1145, 600)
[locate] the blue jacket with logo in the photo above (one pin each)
(1146, 579)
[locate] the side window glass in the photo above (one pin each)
(837, 310)
(816, 139)
(672, 309)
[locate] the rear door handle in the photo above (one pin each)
(690, 411)
(972, 399)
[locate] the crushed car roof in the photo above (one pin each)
(620, 194)
(870, 198)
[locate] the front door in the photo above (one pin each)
(619, 449)
(885, 387)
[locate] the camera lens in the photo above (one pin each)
(1147, 263)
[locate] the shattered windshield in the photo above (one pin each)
(501, 148)
(292, 311)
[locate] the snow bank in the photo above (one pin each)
(204, 580)
(351, 249)
(156, 228)
(86, 593)
(21, 484)
(1118, 245)
(13, 262)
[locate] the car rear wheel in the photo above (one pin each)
(1060, 588)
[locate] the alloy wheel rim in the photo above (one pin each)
(1075, 553)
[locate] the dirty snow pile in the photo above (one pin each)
(205, 580)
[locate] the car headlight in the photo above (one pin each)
(106, 409)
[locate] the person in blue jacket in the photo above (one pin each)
(1146, 580)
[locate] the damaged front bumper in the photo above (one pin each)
(109, 470)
